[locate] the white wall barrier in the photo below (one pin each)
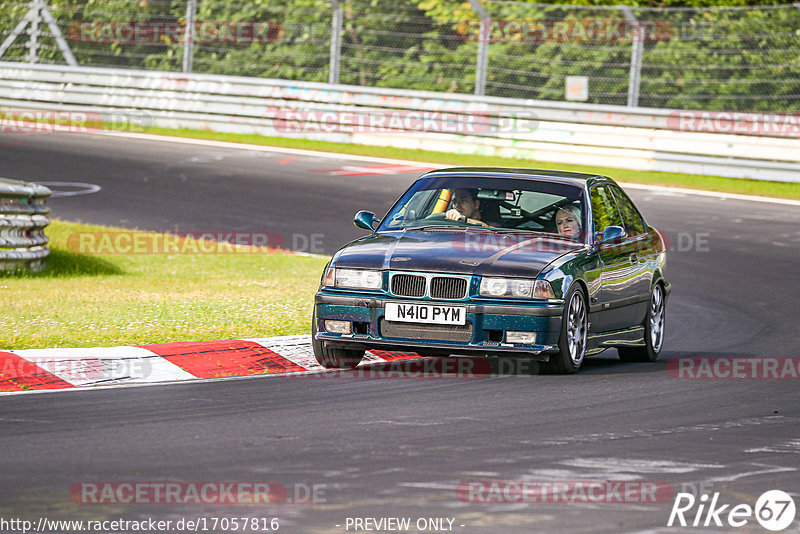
(756, 146)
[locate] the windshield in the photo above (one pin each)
(499, 204)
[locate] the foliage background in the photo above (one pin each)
(726, 55)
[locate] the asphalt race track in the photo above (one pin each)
(400, 448)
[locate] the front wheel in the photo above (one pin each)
(574, 330)
(653, 331)
(333, 358)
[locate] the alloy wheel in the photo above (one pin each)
(576, 328)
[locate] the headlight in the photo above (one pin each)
(354, 278)
(516, 288)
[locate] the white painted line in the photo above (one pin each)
(770, 470)
(375, 159)
(715, 194)
(266, 148)
(105, 365)
(82, 188)
(627, 465)
(791, 446)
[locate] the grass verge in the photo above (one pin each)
(84, 300)
(692, 181)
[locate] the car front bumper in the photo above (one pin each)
(484, 333)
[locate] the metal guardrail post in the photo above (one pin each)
(189, 35)
(16, 32)
(23, 217)
(34, 15)
(482, 64)
(34, 31)
(634, 78)
(62, 43)
(336, 41)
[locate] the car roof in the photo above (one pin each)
(580, 179)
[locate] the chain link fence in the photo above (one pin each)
(736, 59)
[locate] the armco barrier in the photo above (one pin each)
(612, 136)
(23, 217)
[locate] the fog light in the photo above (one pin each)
(521, 338)
(337, 327)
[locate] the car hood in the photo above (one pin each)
(481, 252)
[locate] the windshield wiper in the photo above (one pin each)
(437, 227)
(519, 230)
(550, 235)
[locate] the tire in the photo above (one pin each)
(574, 331)
(653, 330)
(333, 358)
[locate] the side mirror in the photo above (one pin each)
(365, 219)
(612, 233)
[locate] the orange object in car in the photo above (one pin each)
(442, 202)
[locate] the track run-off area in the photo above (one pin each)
(365, 445)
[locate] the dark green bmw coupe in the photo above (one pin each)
(550, 265)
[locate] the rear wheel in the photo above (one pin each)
(574, 329)
(653, 331)
(332, 358)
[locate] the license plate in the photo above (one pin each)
(425, 313)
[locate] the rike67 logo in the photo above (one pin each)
(774, 510)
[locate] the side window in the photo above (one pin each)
(604, 209)
(634, 224)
